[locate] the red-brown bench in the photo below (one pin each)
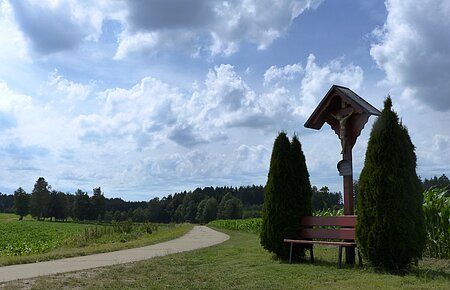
(326, 230)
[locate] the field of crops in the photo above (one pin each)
(252, 225)
(436, 207)
(33, 237)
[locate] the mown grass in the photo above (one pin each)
(29, 241)
(241, 263)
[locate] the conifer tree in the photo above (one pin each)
(287, 196)
(390, 229)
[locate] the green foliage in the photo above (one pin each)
(21, 202)
(81, 206)
(324, 199)
(40, 197)
(440, 182)
(232, 209)
(119, 231)
(220, 209)
(287, 196)
(252, 225)
(390, 227)
(207, 210)
(97, 205)
(33, 237)
(329, 212)
(436, 206)
(58, 206)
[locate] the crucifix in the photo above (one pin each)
(342, 118)
(346, 113)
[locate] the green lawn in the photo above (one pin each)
(240, 263)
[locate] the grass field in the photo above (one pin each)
(30, 241)
(240, 263)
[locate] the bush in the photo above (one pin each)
(390, 228)
(287, 196)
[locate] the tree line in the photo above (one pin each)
(200, 205)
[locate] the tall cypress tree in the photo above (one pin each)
(302, 187)
(390, 227)
(287, 196)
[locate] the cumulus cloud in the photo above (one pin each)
(154, 132)
(170, 14)
(53, 26)
(12, 41)
(317, 80)
(412, 48)
(287, 72)
(193, 26)
(214, 26)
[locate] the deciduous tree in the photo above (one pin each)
(21, 202)
(40, 197)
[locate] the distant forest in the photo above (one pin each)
(198, 206)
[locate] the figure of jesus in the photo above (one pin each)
(343, 128)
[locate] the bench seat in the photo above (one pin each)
(312, 232)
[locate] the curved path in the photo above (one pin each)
(198, 237)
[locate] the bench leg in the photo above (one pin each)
(340, 257)
(311, 253)
(290, 253)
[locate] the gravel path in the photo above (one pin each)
(198, 237)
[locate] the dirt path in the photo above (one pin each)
(198, 237)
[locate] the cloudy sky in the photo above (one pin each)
(147, 98)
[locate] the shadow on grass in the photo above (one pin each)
(430, 274)
(325, 263)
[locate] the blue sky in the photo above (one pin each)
(147, 98)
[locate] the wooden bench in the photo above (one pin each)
(343, 229)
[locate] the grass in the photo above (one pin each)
(241, 263)
(31, 241)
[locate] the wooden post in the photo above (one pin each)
(348, 184)
(346, 113)
(348, 201)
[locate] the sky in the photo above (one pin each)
(149, 98)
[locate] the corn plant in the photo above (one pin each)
(436, 207)
(252, 225)
(329, 212)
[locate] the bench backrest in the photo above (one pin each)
(346, 230)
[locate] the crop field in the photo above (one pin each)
(30, 241)
(32, 237)
(252, 225)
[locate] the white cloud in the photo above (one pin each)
(64, 94)
(12, 42)
(153, 132)
(412, 49)
(214, 26)
(317, 80)
(54, 26)
(288, 72)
